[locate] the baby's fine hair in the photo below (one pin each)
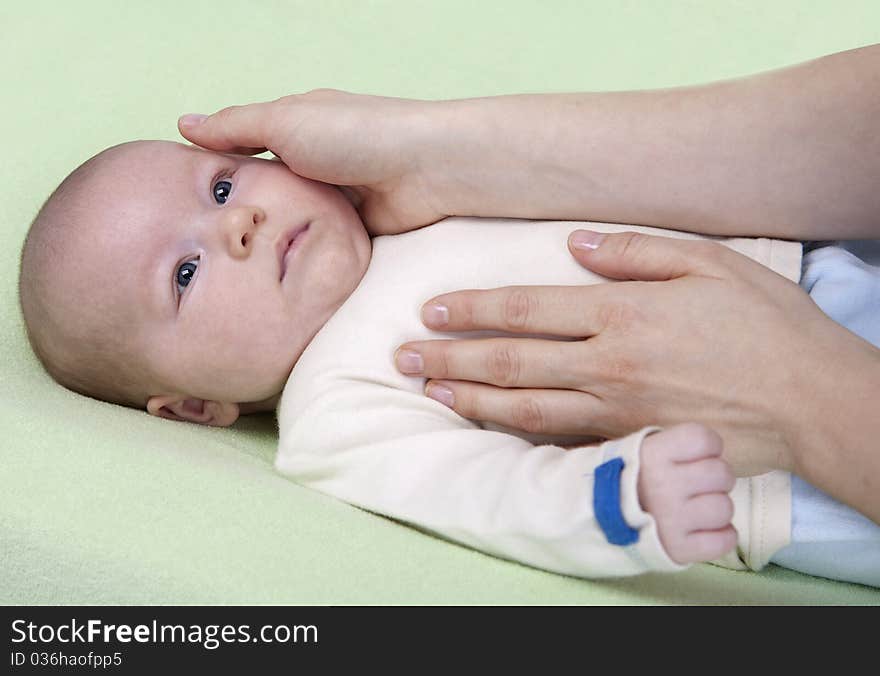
(82, 345)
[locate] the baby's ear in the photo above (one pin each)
(177, 407)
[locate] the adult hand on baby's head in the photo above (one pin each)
(374, 147)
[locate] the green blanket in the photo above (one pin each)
(101, 504)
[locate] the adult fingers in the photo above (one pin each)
(636, 256)
(243, 130)
(569, 311)
(505, 362)
(560, 412)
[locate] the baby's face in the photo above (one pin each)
(199, 240)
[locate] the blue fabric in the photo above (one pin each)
(846, 288)
(606, 504)
(828, 538)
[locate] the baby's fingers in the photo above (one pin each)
(707, 476)
(711, 511)
(243, 130)
(706, 545)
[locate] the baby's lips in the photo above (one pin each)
(283, 245)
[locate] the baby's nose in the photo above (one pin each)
(240, 225)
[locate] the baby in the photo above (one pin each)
(254, 289)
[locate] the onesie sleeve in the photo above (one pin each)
(405, 456)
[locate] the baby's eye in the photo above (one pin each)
(185, 274)
(221, 191)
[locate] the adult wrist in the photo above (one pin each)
(487, 156)
(835, 447)
(451, 154)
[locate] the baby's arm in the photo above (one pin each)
(386, 451)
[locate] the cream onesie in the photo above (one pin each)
(352, 426)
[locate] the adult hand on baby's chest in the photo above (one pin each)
(704, 335)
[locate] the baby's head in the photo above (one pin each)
(158, 276)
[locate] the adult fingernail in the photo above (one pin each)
(192, 119)
(435, 315)
(440, 393)
(586, 240)
(409, 362)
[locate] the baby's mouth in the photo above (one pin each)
(292, 241)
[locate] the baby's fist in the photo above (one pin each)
(685, 484)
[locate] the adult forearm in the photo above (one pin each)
(792, 153)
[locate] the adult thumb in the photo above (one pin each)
(243, 130)
(633, 255)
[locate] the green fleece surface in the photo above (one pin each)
(105, 505)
